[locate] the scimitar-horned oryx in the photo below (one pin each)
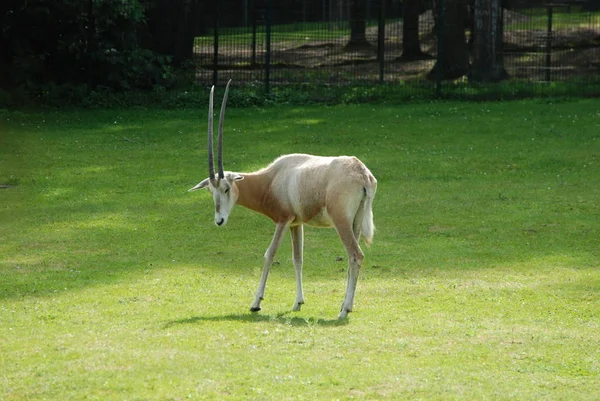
(294, 190)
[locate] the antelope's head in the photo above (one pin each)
(224, 191)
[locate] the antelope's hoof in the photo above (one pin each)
(255, 309)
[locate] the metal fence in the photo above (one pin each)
(276, 43)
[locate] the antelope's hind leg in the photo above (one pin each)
(355, 258)
(297, 252)
(348, 232)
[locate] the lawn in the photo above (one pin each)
(282, 33)
(563, 18)
(483, 281)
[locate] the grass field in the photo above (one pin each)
(483, 281)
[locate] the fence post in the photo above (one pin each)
(381, 40)
(253, 35)
(216, 46)
(268, 47)
(439, 27)
(90, 43)
(549, 43)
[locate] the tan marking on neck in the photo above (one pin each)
(254, 193)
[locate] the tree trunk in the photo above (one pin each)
(184, 34)
(411, 45)
(488, 60)
(358, 27)
(453, 54)
(172, 28)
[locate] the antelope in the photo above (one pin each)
(294, 190)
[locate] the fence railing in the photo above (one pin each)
(278, 43)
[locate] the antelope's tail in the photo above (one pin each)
(368, 227)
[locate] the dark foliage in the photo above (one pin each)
(68, 47)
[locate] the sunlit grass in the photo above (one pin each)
(483, 281)
(281, 33)
(562, 19)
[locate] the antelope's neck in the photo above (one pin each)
(251, 191)
(255, 193)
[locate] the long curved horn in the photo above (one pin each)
(220, 136)
(211, 164)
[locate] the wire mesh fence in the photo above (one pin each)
(362, 42)
(553, 42)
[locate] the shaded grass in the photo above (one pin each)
(482, 282)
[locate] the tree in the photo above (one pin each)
(411, 45)
(358, 26)
(590, 5)
(39, 43)
(452, 54)
(488, 60)
(69, 46)
(173, 24)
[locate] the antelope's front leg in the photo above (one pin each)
(269, 255)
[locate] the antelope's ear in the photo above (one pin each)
(203, 184)
(235, 177)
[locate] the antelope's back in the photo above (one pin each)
(306, 184)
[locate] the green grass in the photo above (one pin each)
(294, 32)
(562, 18)
(280, 33)
(483, 281)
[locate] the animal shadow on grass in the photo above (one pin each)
(279, 318)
